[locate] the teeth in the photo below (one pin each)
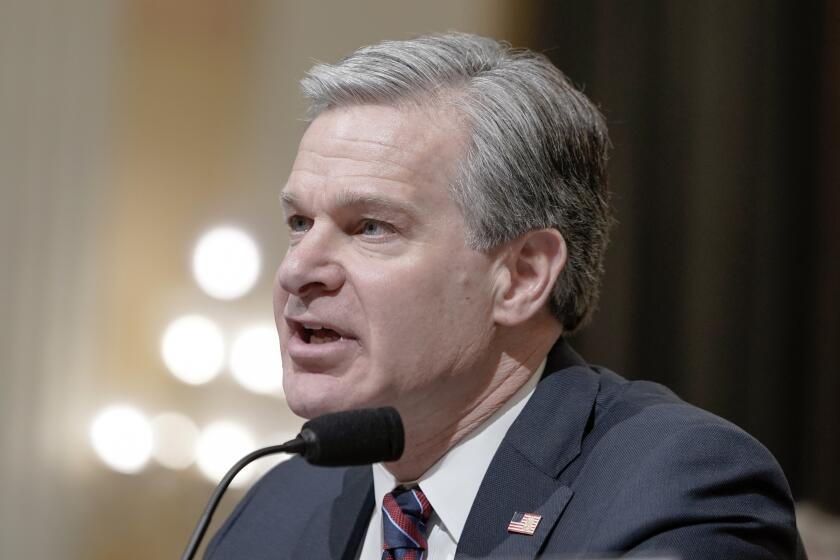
(317, 339)
(316, 333)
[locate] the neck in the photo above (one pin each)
(433, 429)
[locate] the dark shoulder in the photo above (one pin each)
(634, 422)
(292, 482)
(296, 476)
(275, 510)
(666, 475)
(654, 415)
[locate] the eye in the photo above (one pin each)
(299, 224)
(374, 228)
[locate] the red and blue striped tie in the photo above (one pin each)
(405, 513)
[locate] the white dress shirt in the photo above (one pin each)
(451, 485)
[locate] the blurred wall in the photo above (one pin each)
(56, 62)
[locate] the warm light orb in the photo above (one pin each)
(122, 438)
(265, 464)
(219, 446)
(193, 349)
(175, 437)
(255, 360)
(226, 263)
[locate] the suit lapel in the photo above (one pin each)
(337, 527)
(522, 477)
(529, 491)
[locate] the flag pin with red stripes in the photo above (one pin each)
(524, 523)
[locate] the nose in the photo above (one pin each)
(310, 267)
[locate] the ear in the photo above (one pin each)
(532, 264)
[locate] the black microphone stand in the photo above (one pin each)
(296, 445)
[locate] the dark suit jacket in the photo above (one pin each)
(610, 465)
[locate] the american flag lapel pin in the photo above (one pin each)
(524, 523)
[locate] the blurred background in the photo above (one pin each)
(143, 144)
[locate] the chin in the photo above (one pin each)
(314, 396)
(309, 402)
(309, 407)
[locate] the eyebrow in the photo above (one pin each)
(288, 200)
(350, 199)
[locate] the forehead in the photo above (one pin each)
(404, 152)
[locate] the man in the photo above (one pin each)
(448, 216)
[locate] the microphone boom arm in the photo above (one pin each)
(348, 438)
(296, 445)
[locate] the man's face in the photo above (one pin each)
(378, 300)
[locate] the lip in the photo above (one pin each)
(318, 357)
(296, 325)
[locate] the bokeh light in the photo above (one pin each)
(255, 360)
(265, 464)
(193, 349)
(175, 438)
(226, 263)
(122, 438)
(220, 445)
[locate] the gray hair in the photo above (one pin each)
(537, 152)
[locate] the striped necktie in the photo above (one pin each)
(404, 516)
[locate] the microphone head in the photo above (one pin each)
(354, 437)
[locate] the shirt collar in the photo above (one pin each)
(452, 483)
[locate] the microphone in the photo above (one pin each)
(354, 437)
(349, 438)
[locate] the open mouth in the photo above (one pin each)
(317, 346)
(319, 335)
(316, 333)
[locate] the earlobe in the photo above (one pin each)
(533, 264)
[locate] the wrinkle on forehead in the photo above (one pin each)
(397, 147)
(331, 158)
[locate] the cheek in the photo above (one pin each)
(426, 312)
